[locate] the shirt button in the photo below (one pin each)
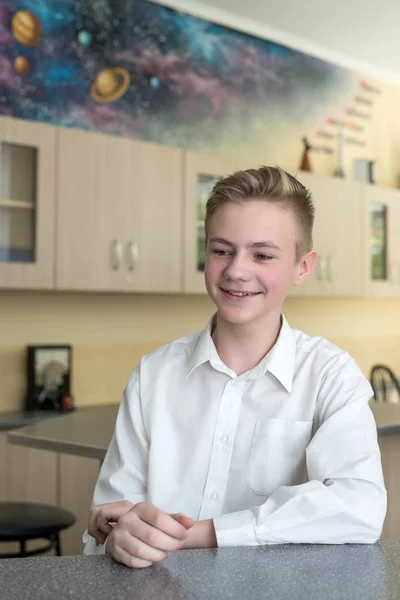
(223, 438)
(214, 496)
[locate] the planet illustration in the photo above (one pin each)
(110, 84)
(22, 65)
(26, 28)
(84, 37)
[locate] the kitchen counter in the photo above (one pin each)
(20, 418)
(283, 572)
(88, 431)
(84, 432)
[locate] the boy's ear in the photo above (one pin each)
(305, 267)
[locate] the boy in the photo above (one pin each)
(248, 432)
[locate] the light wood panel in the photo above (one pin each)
(337, 237)
(154, 218)
(92, 193)
(28, 475)
(40, 273)
(78, 476)
(118, 197)
(390, 452)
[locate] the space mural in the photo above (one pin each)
(142, 70)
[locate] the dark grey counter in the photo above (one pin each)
(20, 418)
(85, 432)
(88, 431)
(309, 572)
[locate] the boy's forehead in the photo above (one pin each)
(258, 217)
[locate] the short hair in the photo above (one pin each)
(272, 184)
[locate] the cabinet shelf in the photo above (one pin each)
(19, 204)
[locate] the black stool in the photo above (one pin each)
(20, 522)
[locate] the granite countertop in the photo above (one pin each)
(88, 430)
(283, 572)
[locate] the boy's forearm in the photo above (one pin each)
(202, 535)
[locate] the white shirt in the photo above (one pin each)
(284, 453)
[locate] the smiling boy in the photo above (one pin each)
(248, 432)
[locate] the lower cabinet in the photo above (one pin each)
(26, 475)
(46, 477)
(390, 452)
(77, 478)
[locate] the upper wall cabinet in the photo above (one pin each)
(337, 237)
(381, 248)
(27, 202)
(201, 172)
(119, 215)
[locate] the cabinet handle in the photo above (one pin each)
(133, 253)
(320, 268)
(330, 268)
(116, 255)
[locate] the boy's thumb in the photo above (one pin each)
(183, 520)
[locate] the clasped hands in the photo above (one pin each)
(143, 534)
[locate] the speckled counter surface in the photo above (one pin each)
(309, 572)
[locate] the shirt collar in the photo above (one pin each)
(279, 361)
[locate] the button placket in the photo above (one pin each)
(221, 451)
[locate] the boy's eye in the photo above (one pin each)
(264, 256)
(220, 252)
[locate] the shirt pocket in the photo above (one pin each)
(278, 454)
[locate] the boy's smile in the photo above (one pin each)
(251, 260)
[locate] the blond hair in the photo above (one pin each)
(272, 184)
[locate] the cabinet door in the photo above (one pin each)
(27, 475)
(77, 479)
(27, 202)
(201, 172)
(92, 206)
(152, 230)
(381, 249)
(337, 237)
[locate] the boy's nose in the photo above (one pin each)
(237, 269)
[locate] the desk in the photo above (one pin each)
(288, 572)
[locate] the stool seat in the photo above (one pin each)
(25, 520)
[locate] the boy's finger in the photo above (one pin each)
(101, 516)
(160, 520)
(183, 520)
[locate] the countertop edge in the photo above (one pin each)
(56, 446)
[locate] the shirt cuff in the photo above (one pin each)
(235, 529)
(90, 546)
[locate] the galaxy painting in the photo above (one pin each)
(139, 69)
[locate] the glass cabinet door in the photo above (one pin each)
(201, 173)
(27, 199)
(382, 245)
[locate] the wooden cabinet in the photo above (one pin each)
(390, 453)
(27, 203)
(46, 477)
(337, 237)
(201, 171)
(26, 475)
(381, 242)
(119, 217)
(77, 479)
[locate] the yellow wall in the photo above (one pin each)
(110, 332)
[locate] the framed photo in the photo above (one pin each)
(49, 376)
